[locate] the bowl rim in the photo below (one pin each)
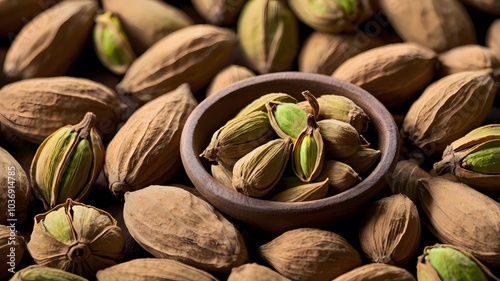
(384, 167)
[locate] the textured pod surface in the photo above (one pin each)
(362, 160)
(340, 139)
(292, 189)
(343, 109)
(145, 150)
(77, 238)
(461, 216)
(421, 22)
(50, 43)
(268, 34)
(405, 178)
(393, 73)
(48, 104)
(152, 269)
(377, 272)
(147, 21)
(12, 247)
(340, 176)
(13, 14)
(323, 52)
(219, 12)
(467, 58)
(310, 254)
(390, 231)
(15, 190)
(190, 55)
(449, 108)
(254, 272)
(38, 272)
(259, 104)
(227, 76)
(172, 223)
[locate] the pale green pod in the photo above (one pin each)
(484, 159)
(308, 152)
(287, 119)
(363, 159)
(340, 138)
(260, 103)
(45, 273)
(343, 109)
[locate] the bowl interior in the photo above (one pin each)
(216, 110)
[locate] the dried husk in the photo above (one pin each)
(227, 76)
(15, 14)
(362, 160)
(310, 254)
(343, 109)
(147, 21)
(459, 215)
(340, 176)
(377, 272)
(38, 272)
(323, 52)
(254, 272)
(193, 55)
(486, 6)
(153, 269)
(77, 238)
(467, 58)
(422, 22)
(308, 152)
(257, 173)
(219, 12)
(449, 108)
(222, 174)
(390, 231)
(48, 104)
(145, 150)
(268, 35)
(332, 16)
(10, 238)
(292, 189)
(49, 44)
(392, 73)
(259, 104)
(340, 139)
(15, 189)
(426, 270)
(493, 38)
(238, 137)
(171, 223)
(404, 178)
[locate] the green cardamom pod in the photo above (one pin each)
(308, 152)
(111, 44)
(485, 158)
(362, 160)
(292, 189)
(287, 119)
(341, 139)
(341, 176)
(260, 103)
(67, 163)
(343, 109)
(222, 174)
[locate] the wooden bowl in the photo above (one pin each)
(275, 217)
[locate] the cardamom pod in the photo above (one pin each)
(39, 272)
(343, 109)
(111, 43)
(341, 176)
(227, 76)
(145, 150)
(268, 34)
(222, 174)
(238, 137)
(15, 14)
(484, 159)
(12, 247)
(67, 164)
(362, 160)
(404, 178)
(219, 12)
(260, 103)
(287, 119)
(77, 238)
(257, 173)
(308, 152)
(340, 139)
(467, 58)
(292, 189)
(254, 271)
(377, 272)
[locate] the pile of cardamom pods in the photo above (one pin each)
(94, 95)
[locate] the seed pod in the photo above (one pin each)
(404, 178)
(67, 163)
(332, 16)
(12, 247)
(448, 262)
(343, 109)
(341, 176)
(421, 22)
(293, 189)
(493, 38)
(147, 21)
(268, 34)
(308, 152)
(219, 12)
(77, 238)
(256, 173)
(253, 271)
(459, 215)
(260, 103)
(340, 139)
(222, 174)
(390, 230)
(486, 6)
(393, 73)
(323, 52)
(47, 104)
(377, 272)
(287, 119)
(152, 269)
(171, 223)
(467, 58)
(50, 43)
(465, 98)
(310, 254)
(227, 76)
(111, 43)
(238, 137)
(145, 150)
(15, 14)
(190, 55)
(15, 190)
(38, 272)
(362, 160)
